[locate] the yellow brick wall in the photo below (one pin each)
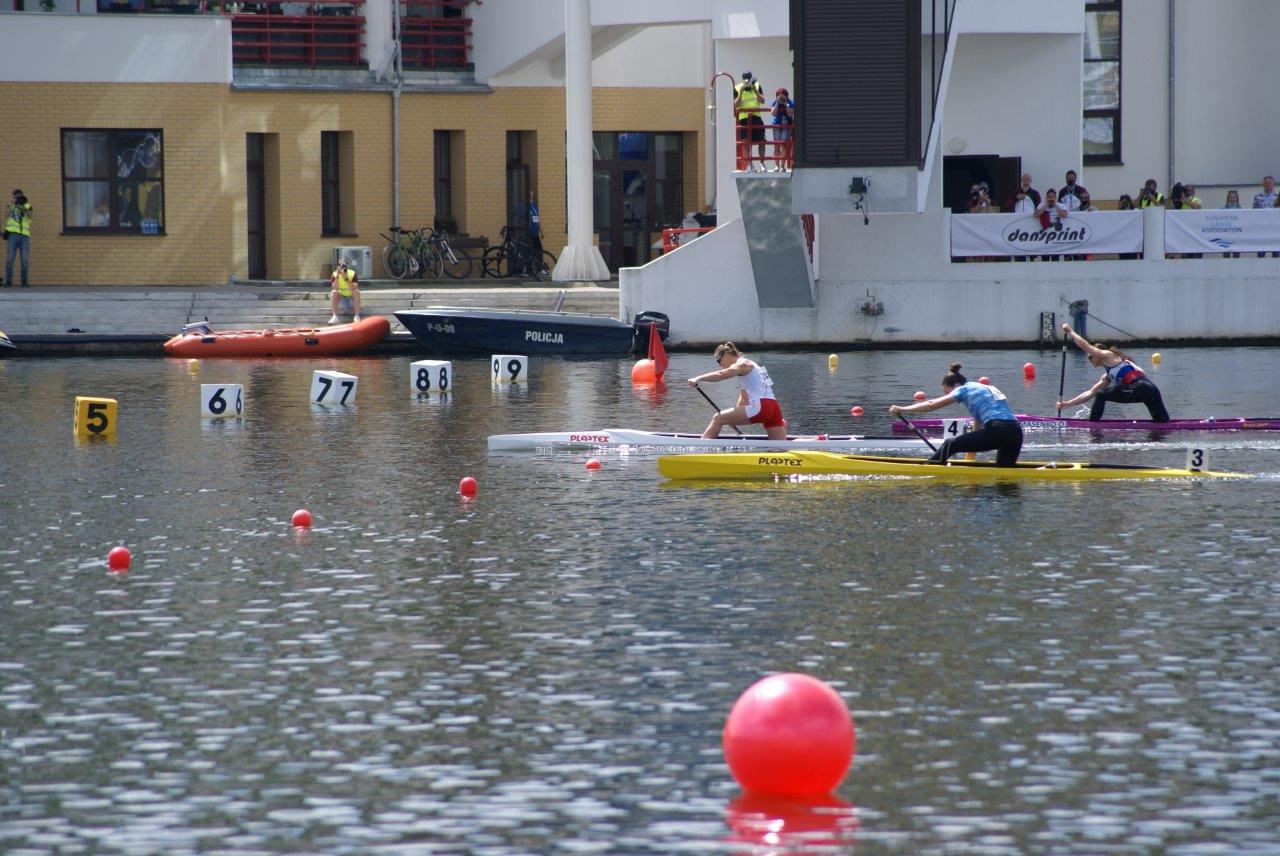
(204, 167)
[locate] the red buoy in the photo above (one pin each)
(984, 380)
(644, 371)
(119, 559)
(920, 396)
(593, 464)
(856, 410)
(302, 518)
(789, 735)
(468, 486)
(1029, 371)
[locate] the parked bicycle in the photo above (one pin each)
(400, 256)
(517, 258)
(424, 253)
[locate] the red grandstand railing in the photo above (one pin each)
(807, 221)
(435, 34)
(314, 35)
(672, 238)
(780, 152)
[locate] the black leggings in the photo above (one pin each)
(1002, 435)
(1142, 390)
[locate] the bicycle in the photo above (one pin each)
(403, 254)
(456, 263)
(516, 258)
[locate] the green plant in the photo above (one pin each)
(48, 5)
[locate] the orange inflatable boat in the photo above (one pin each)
(299, 342)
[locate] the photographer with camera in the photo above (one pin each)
(1050, 213)
(17, 234)
(1148, 195)
(980, 199)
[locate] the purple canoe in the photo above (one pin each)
(1050, 423)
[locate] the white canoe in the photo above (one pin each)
(606, 437)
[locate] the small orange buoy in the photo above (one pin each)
(301, 519)
(1029, 371)
(984, 380)
(856, 410)
(119, 559)
(920, 396)
(593, 464)
(644, 371)
(468, 486)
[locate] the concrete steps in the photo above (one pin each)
(155, 311)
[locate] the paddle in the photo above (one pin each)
(715, 407)
(919, 433)
(1062, 374)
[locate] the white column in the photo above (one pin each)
(581, 259)
(728, 208)
(377, 32)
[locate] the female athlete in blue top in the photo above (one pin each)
(994, 424)
(1122, 381)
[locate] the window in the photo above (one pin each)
(330, 184)
(444, 176)
(521, 180)
(668, 174)
(113, 181)
(1102, 82)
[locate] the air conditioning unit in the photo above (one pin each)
(361, 259)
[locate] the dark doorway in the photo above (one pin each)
(637, 190)
(961, 172)
(255, 174)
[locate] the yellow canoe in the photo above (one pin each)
(744, 465)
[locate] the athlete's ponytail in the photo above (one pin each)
(727, 348)
(953, 378)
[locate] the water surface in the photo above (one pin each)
(1057, 668)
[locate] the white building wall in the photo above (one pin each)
(1017, 96)
(661, 56)
(54, 48)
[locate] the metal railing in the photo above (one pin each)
(435, 35)
(308, 35)
(781, 153)
(671, 238)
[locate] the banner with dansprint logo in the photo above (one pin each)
(1022, 234)
(1222, 230)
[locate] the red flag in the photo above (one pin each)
(657, 353)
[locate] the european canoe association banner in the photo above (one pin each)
(1022, 234)
(1222, 230)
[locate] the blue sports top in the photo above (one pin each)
(985, 403)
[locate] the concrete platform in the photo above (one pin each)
(115, 319)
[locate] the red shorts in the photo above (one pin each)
(770, 415)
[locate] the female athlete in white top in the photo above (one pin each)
(756, 404)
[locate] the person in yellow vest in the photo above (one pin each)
(17, 233)
(748, 102)
(345, 285)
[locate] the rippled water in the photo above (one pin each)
(1079, 668)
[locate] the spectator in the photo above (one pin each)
(783, 111)
(1150, 195)
(1069, 195)
(1025, 199)
(980, 203)
(130, 214)
(748, 101)
(345, 286)
(1266, 199)
(1050, 213)
(17, 233)
(101, 215)
(1189, 198)
(1233, 201)
(1126, 204)
(1086, 202)
(535, 228)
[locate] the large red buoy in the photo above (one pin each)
(302, 519)
(644, 371)
(789, 735)
(468, 486)
(1029, 371)
(593, 464)
(119, 559)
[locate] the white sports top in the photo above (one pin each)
(757, 383)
